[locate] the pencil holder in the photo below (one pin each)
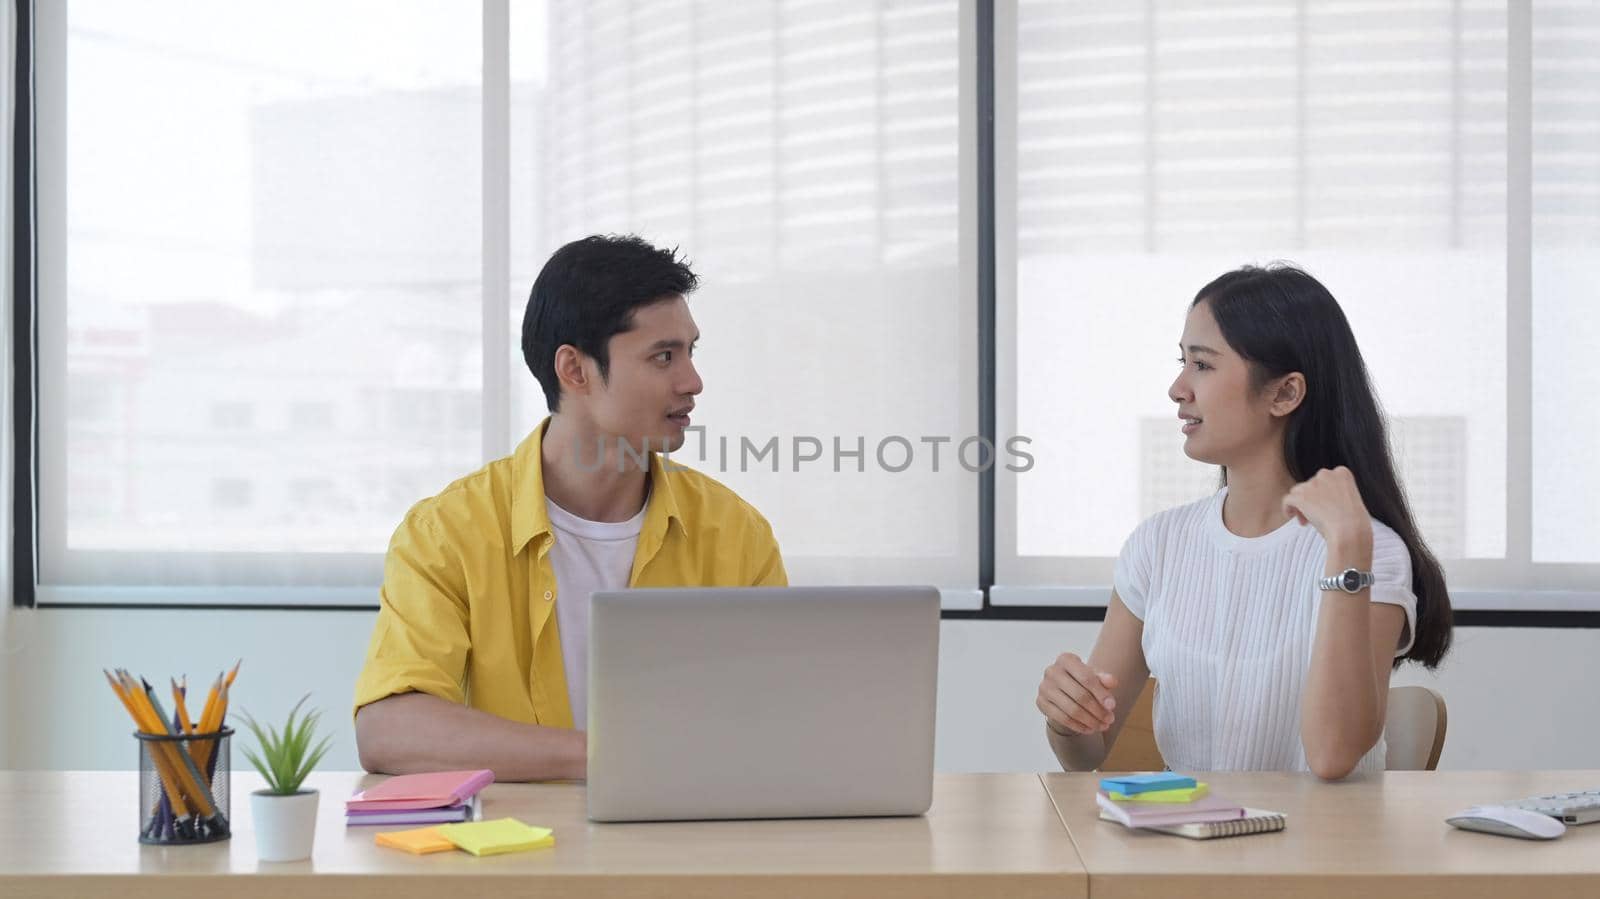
(183, 787)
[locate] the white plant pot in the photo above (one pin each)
(286, 826)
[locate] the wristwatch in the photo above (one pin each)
(1350, 580)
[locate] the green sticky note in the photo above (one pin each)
(1187, 794)
(497, 837)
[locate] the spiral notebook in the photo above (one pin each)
(1255, 820)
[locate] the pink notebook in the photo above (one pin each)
(1132, 814)
(413, 791)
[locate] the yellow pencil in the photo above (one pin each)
(141, 703)
(166, 784)
(211, 721)
(169, 782)
(183, 711)
(117, 689)
(206, 717)
(188, 729)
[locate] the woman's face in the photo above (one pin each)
(1223, 419)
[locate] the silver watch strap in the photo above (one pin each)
(1364, 579)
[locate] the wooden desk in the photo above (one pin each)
(75, 834)
(1370, 837)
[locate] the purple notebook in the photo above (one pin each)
(450, 814)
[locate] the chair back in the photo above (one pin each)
(1135, 749)
(1414, 729)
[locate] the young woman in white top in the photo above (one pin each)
(1262, 663)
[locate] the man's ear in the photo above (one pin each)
(570, 370)
(1287, 392)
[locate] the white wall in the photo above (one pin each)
(1513, 694)
(9, 724)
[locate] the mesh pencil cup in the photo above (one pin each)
(183, 787)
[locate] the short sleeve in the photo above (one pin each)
(420, 640)
(1131, 578)
(763, 548)
(1391, 572)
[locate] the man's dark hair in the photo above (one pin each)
(587, 293)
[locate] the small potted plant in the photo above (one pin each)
(285, 815)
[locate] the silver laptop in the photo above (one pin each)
(786, 702)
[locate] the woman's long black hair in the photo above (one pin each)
(1282, 320)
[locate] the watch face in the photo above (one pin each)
(1352, 580)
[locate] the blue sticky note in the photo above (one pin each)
(1129, 784)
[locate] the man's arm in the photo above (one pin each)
(410, 698)
(411, 732)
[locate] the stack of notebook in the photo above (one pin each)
(439, 797)
(1172, 803)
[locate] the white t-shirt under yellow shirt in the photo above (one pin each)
(588, 557)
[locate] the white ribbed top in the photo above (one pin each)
(1228, 628)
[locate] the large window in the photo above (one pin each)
(809, 157)
(284, 250)
(1147, 148)
(259, 262)
(1565, 328)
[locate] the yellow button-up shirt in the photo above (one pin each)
(467, 610)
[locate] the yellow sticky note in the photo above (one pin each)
(420, 841)
(1186, 794)
(496, 837)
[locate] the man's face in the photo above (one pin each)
(652, 381)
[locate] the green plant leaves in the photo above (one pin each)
(287, 757)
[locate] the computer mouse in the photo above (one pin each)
(1507, 821)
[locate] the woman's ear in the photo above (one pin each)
(1288, 392)
(569, 370)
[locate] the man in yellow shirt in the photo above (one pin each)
(478, 656)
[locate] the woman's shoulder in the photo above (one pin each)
(1173, 537)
